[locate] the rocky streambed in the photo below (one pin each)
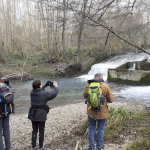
(60, 123)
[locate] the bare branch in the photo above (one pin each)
(106, 27)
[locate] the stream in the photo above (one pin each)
(71, 89)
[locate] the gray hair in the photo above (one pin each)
(2, 85)
(98, 75)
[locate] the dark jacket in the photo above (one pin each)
(9, 88)
(39, 99)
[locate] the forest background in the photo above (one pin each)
(44, 36)
(35, 34)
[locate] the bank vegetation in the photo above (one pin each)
(64, 30)
(123, 126)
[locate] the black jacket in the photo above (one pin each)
(10, 88)
(39, 99)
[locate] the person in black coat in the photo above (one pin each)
(4, 120)
(39, 110)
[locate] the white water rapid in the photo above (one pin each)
(122, 91)
(114, 62)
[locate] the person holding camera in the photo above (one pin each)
(39, 110)
(4, 118)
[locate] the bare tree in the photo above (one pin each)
(64, 28)
(54, 26)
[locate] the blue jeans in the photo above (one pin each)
(100, 133)
(4, 126)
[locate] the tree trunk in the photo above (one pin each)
(63, 29)
(81, 28)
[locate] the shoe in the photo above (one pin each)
(34, 148)
(42, 148)
(100, 148)
(7, 148)
(91, 149)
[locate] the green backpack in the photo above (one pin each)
(95, 97)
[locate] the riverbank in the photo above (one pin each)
(60, 126)
(35, 65)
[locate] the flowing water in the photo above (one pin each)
(71, 89)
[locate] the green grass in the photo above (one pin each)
(115, 122)
(35, 60)
(123, 121)
(41, 71)
(142, 144)
(84, 125)
(142, 122)
(148, 131)
(32, 60)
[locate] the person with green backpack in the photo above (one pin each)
(97, 94)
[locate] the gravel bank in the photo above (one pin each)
(61, 120)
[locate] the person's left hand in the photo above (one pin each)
(47, 83)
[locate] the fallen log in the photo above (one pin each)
(15, 76)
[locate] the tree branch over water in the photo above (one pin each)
(111, 30)
(106, 27)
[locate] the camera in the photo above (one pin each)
(51, 83)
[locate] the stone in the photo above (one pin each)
(73, 68)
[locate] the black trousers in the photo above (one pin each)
(41, 126)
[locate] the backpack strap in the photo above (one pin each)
(99, 102)
(95, 114)
(5, 109)
(100, 89)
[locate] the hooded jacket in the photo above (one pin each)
(10, 88)
(108, 98)
(39, 99)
